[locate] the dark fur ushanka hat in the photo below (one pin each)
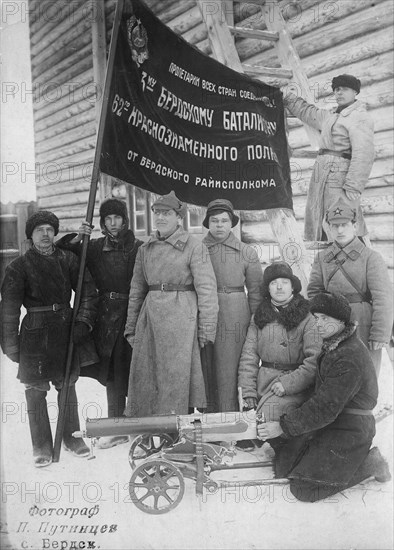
(113, 207)
(347, 81)
(279, 270)
(42, 217)
(333, 305)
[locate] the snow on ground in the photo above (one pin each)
(80, 503)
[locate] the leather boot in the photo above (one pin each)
(116, 407)
(40, 428)
(373, 466)
(74, 445)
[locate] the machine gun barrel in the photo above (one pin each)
(99, 427)
(225, 426)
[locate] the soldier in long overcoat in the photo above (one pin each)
(172, 311)
(278, 361)
(41, 280)
(350, 268)
(110, 259)
(345, 157)
(323, 446)
(237, 267)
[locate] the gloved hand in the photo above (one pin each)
(278, 389)
(14, 357)
(81, 330)
(249, 403)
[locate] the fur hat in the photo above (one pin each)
(279, 270)
(113, 207)
(41, 217)
(333, 305)
(341, 212)
(347, 81)
(220, 205)
(170, 202)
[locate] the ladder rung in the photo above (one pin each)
(254, 33)
(257, 70)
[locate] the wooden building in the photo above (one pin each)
(69, 45)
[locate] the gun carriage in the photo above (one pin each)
(166, 449)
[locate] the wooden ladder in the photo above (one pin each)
(218, 17)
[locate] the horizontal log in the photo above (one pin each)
(185, 22)
(83, 157)
(47, 16)
(36, 10)
(77, 36)
(67, 100)
(63, 152)
(254, 33)
(167, 11)
(65, 138)
(67, 16)
(66, 199)
(363, 47)
(339, 20)
(380, 227)
(72, 213)
(56, 187)
(65, 124)
(260, 71)
(66, 70)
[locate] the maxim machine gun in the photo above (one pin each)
(166, 449)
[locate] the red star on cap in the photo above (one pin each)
(338, 212)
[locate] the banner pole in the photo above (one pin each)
(63, 398)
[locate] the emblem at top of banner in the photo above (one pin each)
(137, 38)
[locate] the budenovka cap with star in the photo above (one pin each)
(340, 212)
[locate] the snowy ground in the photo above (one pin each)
(50, 507)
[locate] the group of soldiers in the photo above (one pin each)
(151, 313)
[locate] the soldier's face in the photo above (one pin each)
(114, 224)
(344, 96)
(328, 326)
(280, 289)
(343, 233)
(220, 226)
(43, 235)
(166, 221)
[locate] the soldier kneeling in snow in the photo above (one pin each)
(42, 280)
(323, 446)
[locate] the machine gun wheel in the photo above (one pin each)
(146, 445)
(156, 486)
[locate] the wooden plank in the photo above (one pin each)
(219, 35)
(59, 154)
(254, 33)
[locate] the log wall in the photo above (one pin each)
(345, 36)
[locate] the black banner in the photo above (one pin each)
(179, 120)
